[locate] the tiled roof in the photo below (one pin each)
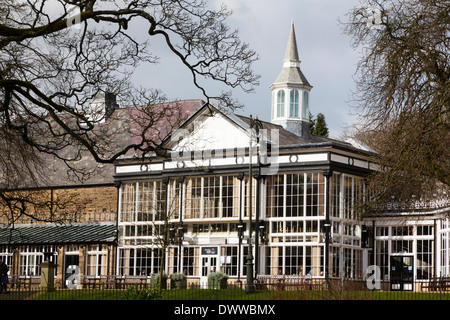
(287, 138)
(292, 76)
(72, 233)
(124, 127)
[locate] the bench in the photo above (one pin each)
(437, 284)
(123, 281)
(92, 282)
(17, 281)
(283, 282)
(111, 282)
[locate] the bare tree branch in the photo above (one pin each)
(403, 95)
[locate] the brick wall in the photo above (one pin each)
(82, 204)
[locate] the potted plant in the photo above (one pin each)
(217, 280)
(178, 281)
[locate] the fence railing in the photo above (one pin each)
(270, 289)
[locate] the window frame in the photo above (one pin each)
(294, 103)
(281, 101)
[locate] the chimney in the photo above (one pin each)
(299, 128)
(102, 107)
(110, 104)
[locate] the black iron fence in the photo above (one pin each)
(270, 288)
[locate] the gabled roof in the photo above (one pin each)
(209, 128)
(242, 124)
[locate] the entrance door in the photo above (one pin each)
(401, 273)
(209, 264)
(71, 270)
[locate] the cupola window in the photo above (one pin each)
(294, 103)
(280, 103)
(305, 107)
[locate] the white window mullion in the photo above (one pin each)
(153, 207)
(183, 197)
(135, 203)
(202, 206)
(342, 197)
(220, 196)
(284, 197)
(352, 211)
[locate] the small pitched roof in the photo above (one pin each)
(51, 233)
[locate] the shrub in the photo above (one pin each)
(178, 281)
(154, 280)
(217, 280)
(133, 293)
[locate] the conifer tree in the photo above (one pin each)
(320, 126)
(311, 124)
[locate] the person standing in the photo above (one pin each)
(3, 277)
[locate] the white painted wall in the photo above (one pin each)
(211, 132)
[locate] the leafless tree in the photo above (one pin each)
(57, 56)
(51, 71)
(403, 94)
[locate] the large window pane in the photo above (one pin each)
(211, 197)
(295, 189)
(315, 194)
(294, 96)
(275, 196)
(280, 103)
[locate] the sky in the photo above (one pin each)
(327, 58)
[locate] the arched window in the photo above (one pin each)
(305, 107)
(294, 103)
(280, 103)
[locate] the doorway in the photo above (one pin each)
(71, 271)
(402, 273)
(209, 261)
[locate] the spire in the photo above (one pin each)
(291, 72)
(290, 92)
(291, 48)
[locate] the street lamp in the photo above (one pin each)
(327, 173)
(240, 227)
(262, 232)
(180, 227)
(180, 243)
(257, 125)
